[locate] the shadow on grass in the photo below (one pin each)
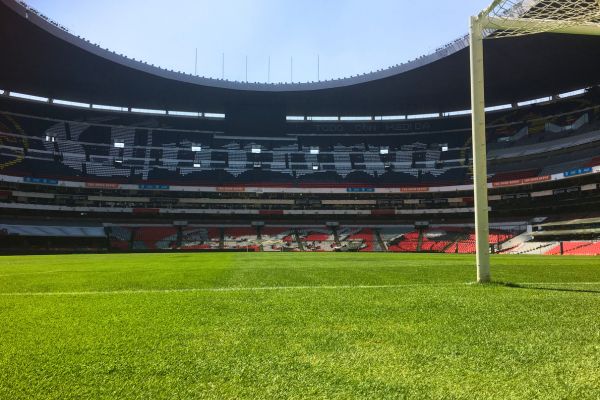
(539, 287)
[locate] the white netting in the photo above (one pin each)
(527, 17)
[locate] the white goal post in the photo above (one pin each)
(509, 18)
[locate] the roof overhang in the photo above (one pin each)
(41, 59)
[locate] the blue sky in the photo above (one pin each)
(349, 36)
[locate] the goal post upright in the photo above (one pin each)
(479, 152)
(506, 18)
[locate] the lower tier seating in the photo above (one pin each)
(577, 248)
(316, 239)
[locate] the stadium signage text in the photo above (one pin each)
(42, 181)
(154, 187)
(286, 189)
(360, 190)
(390, 127)
(231, 189)
(414, 189)
(100, 185)
(578, 171)
(525, 181)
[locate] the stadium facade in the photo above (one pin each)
(99, 151)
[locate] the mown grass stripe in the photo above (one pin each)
(276, 288)
(226, 289)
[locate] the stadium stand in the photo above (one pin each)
(242, 175)
(201, 239)
(316, 239)
(361, 239)
(88, 150)
(279, 239)
(240, 238)
(154, 238)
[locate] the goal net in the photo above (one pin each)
(525, 17)
(509, 18)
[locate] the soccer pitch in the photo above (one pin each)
(292, 326)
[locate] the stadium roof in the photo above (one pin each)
(41, 58)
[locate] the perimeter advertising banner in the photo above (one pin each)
(525, 181)
(231, 189)
(578, 171)
(154, 187)
(42, 181)
(100, 185)
(360, 190)
(414, 190)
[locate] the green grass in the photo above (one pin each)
(295, 326)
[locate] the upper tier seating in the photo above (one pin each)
(88, 145)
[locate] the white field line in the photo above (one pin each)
(270, 288)
(225, 289)
(31, 273)
(559, 283)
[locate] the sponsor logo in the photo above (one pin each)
(417, 126)
(524, 181)
(360, 190)
(154, 187)
(41, 181)
(414, 189)
(537, 179)
(231, 189)
(95, 185)
(578, 171)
